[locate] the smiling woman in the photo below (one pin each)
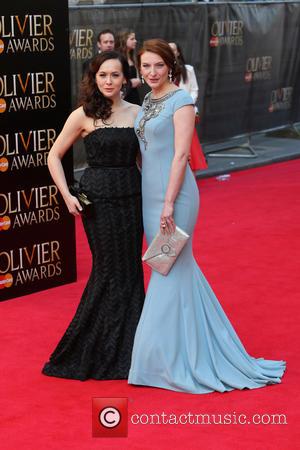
(98, 342)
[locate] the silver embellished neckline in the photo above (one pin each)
(164, 97)
(151, 108)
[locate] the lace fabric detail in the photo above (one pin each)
(151, 108)
(98, 342)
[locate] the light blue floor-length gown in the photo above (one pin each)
(184, 340)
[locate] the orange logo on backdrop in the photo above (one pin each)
(214, 41)
(2, 105)
(6, 281)
(5, 223)
(3, 164)
(248, 77)
(1, 46)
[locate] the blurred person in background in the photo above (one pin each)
(126, 45)
(105, 41)
(187, 80)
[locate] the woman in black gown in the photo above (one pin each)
(98, 342)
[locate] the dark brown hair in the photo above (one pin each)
(161, 48)
(181, 62)
(94, 103)
(121, 44)
(106, 31)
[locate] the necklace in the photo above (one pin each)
(163, 97)
(151, 109)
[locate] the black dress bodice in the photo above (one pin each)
(113, 152)
(111, 147)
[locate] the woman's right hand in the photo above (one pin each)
(73, 205)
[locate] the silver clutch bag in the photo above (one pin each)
(164, 249)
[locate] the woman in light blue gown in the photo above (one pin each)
(184, 340)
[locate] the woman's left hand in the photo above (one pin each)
(135, 82)
(167, 224)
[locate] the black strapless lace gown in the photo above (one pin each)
(99, 340)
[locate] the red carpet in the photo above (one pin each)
(247, 243)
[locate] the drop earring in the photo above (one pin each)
(142, 79)
(170, 75)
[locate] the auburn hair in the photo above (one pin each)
(161, 48)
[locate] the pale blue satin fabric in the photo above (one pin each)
(184, 341)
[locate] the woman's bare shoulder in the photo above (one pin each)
(130, 106)
(78, 113)
(78, 120)
(133, 109)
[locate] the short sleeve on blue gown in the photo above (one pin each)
(181, 99)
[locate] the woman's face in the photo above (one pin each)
(174, 49)
(110, 78)
(154, 70)
(131, 41)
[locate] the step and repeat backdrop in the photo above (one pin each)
(37, 234)
(246, 58)
(247, 61)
